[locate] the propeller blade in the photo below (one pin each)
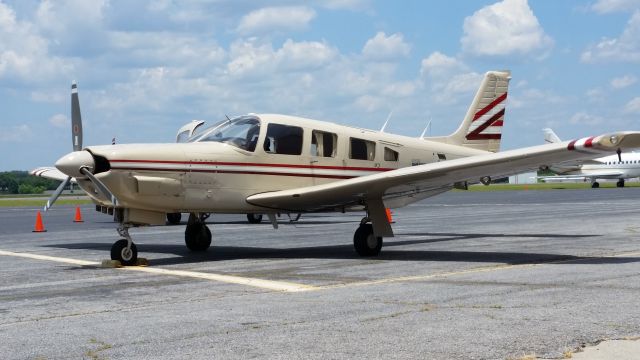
(619, 152)
(57, 193)
(99, 185)
(76, 119)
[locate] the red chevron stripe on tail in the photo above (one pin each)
(487, 121)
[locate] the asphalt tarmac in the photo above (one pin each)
(469, 276)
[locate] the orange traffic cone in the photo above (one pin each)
(389, 216)
(78, 217)
(39, 226)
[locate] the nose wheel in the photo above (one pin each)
(124, 250)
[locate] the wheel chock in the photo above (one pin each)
(118, 264)
(111, 264)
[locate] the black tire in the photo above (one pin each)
(254, 218)
(595, 185)
(174, 218)
(197, 237)
(620, 183)
(118, 252)
(365, 243)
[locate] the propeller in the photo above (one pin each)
(619, 152)
(76, 141)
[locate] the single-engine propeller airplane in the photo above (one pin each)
(268, 164)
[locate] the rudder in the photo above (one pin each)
(482, 126)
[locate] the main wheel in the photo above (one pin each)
(365, 243)
(120, 252)
(620, 183)
(197, 236)
(254, 218)
(595, 185)
(174, 218)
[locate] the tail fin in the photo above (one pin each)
(482, 126)
(550, 137)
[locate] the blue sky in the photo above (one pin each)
(144, 68)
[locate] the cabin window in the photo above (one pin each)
(362, 149)
(390, 155)
(283, 139)
(323, 144)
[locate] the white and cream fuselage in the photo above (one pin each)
(218, 177)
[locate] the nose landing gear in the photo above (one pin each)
(124, 250)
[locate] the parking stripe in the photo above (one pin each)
(253, 282)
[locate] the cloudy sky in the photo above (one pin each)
(144, 68)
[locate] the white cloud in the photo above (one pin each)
(625, 48)
(60, 121)
(623, 82)
(249, 57)
(610, 6)
(448, 78)
(24, 53)
(633, 106)
(383, 47)
(162, 48)
(438, 64)
(271, 19)
(304, 54)
(582, 118)
(505, 28)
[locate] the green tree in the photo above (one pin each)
(30, 189)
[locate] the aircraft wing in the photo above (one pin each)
(418, 182)
(50, 172)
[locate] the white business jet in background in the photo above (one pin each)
(621, 166)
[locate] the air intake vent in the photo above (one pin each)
(102, 164)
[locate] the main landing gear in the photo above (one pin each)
(595, 185)
(620, 183)
(364, 241)
(197, 235)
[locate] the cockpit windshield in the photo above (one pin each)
(241, 132)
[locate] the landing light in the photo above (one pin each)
(614, 139)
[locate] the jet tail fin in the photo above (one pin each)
(482, 126)
(550, 137)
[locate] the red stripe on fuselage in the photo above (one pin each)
(293, 166)
(236, 172)
(572, 145)
(488, 108)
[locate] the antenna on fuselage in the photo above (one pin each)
(425, 130)
(225, 115)
(386, 122)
